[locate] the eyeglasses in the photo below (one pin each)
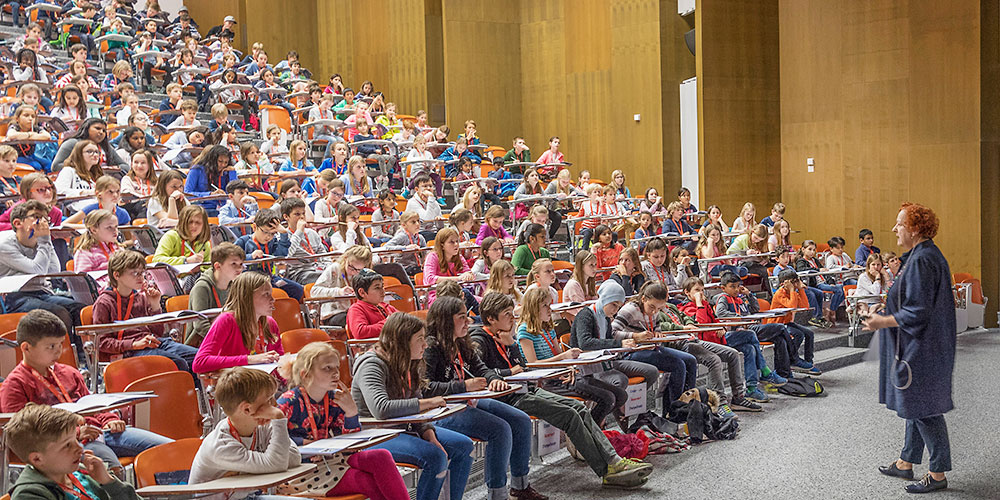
(355, 269)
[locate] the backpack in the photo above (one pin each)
(807, 387)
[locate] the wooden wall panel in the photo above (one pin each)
(990, 153)
(284, 25)
(738, 103)
(886, 97)
(208, 14)
(482, 68)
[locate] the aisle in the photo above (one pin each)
(827, 448)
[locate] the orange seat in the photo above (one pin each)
(848, 288)
(264, 200)
(407, 302)
(119, 374)
(278, 293)
(636, 380)
(562, 264)
(307, 290)
(293, 341)
(9, 321)
(87, 315)
(169, 457)
(418, 279)
(69, 265)
(962, 277)
(174, 413)
(178, 303)
(288, 314)
(564, 339)
(345, 361)
(421, 314)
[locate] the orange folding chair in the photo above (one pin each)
(174, 413)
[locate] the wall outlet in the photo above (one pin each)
(636, 117)
(810, 165)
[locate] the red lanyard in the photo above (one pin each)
(61, 393)
(410, 237)
(266, 266)
(677, 224)
(673, 317)
(218, 303)
(533, 256)
(236, 435)
(146, 188)
(500, 350)
(185, 246)
(550, 342)
(260, 345)
(9, 188)
(312, 420)
(128, 311)
(77, 490)
(659, 275)
(107, 253)
(650, 322)
(460, 367)
(306, 245)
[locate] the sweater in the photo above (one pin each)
(432, 271)
(661, 274)
(229, 214)
(584, 332)
(447, 376)
(198, 184)
(293, 404)
(782, 299)
(494, 355)
(17, 259)
(429, 211)
(33, 485)
(573, 291)
(368, 388)
(174, 250)
(221, 454)
(524, 257)
(331, 283)
(401, 240)
(276, 247)
(205, 294)
(486, 231)
(386, 230)
(94, 259)
(111, 307)
(365, 320)
(21, 387)
(727, 306)
(223, 345)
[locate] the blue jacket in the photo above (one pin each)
(328, 163)
(277, 247)
(449, 154)
(365, 150)
(862, 253)
(124, 218)
(198, 184)
(165, 105)
(229, 214)
(917, 357)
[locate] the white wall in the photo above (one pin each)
(689, 139)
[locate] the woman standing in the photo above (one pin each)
(917, 338)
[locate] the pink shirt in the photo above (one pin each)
(432, 270)
(223, 345)
(547, 157)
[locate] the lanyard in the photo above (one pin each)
(500, 350)
(128, 311)
(59, 392)
(260, 345)
(8, 186)
(236, 435)
(677, 224)
(550, 342)
(106, 250)
(533, 256)
(266, 266)
(660, 276)
(410, 237)
(307, 404)
(382, 312)
(306, 245)
(650, 322)
(77, 490)
(673, 317)
(460, 366)
(145, 188)
(218, 303)
(185, 246)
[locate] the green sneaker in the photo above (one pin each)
(627, 472)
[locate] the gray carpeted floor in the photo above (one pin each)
(825, 448)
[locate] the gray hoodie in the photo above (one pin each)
(368, 389)
(17, 259)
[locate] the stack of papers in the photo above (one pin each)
(97, 401)
(533, 375)
(336, 444)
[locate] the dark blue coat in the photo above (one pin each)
(923, 304)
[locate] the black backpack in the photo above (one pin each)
(807, 387)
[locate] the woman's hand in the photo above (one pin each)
(475, 384)
(571, 353)
(467, 276)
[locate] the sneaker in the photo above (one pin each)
(406, 193)
(757, 396)
(774, 379)
(528, 493)
(442, 202)
(627, 473)
(817, 322)
(744, 404)
(725, 412)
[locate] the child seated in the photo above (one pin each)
(316, 390)
(386, 212)
(240, 207)
(777, 213)
(496, 346)
(302, 241)
(494, 216)
(264, 243)
(367, 316)
(128, 296)
(867, 246)
(336, 281)
(424, 204)
(41, 379)
(791, 294)
(532, 248)
(245, 333)
(655, 266)
(606, 249)
(252, 439)
(46, 439)
(738, 301)
(211, 290)
(95, 247)
(408, 238)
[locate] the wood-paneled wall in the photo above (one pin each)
(739, 134)
(886, 97)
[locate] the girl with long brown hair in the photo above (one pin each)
(245, 333)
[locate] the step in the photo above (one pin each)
(838, 357)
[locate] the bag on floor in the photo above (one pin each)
(806, 387)
(629, 445)
(660, 443)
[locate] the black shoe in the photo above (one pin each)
(926, 485)
(893, 471)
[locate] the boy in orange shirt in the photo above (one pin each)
(791, 293)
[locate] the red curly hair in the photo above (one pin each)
(920, 219)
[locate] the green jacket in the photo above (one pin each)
(33, 485)
(667, 325)
(171, 249)
(512, 157)
(522, 259)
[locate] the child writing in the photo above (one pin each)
(129, 296)
(496, 346)
(252, 439)
(388, 383)
(495, 216)
(190, 242)
(336, 281)
(297, 161)
(302, 242)
(46, 439)
(318, 406)
(454, 367)
(262, 243)
(245, 333)
(41, 379)
(747, 219)
(212, 287)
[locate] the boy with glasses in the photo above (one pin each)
(263, 243)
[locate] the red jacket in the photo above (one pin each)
(21, 388)
(704, 314)
(110, 307)
(365, 320)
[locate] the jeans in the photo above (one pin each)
(777, 334)
(15, 10)
(127, 443)
(606, 396)
(799, 335)
(838, 294)
(572, 417)
(507, 432)
(555, 220)
(932, 432)
(815, 296)
(746, 342)
(182, 355)
(67, 309)
(433, 462)
(682, 367)
(713, 356)
(293, 289)
(201, 93)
